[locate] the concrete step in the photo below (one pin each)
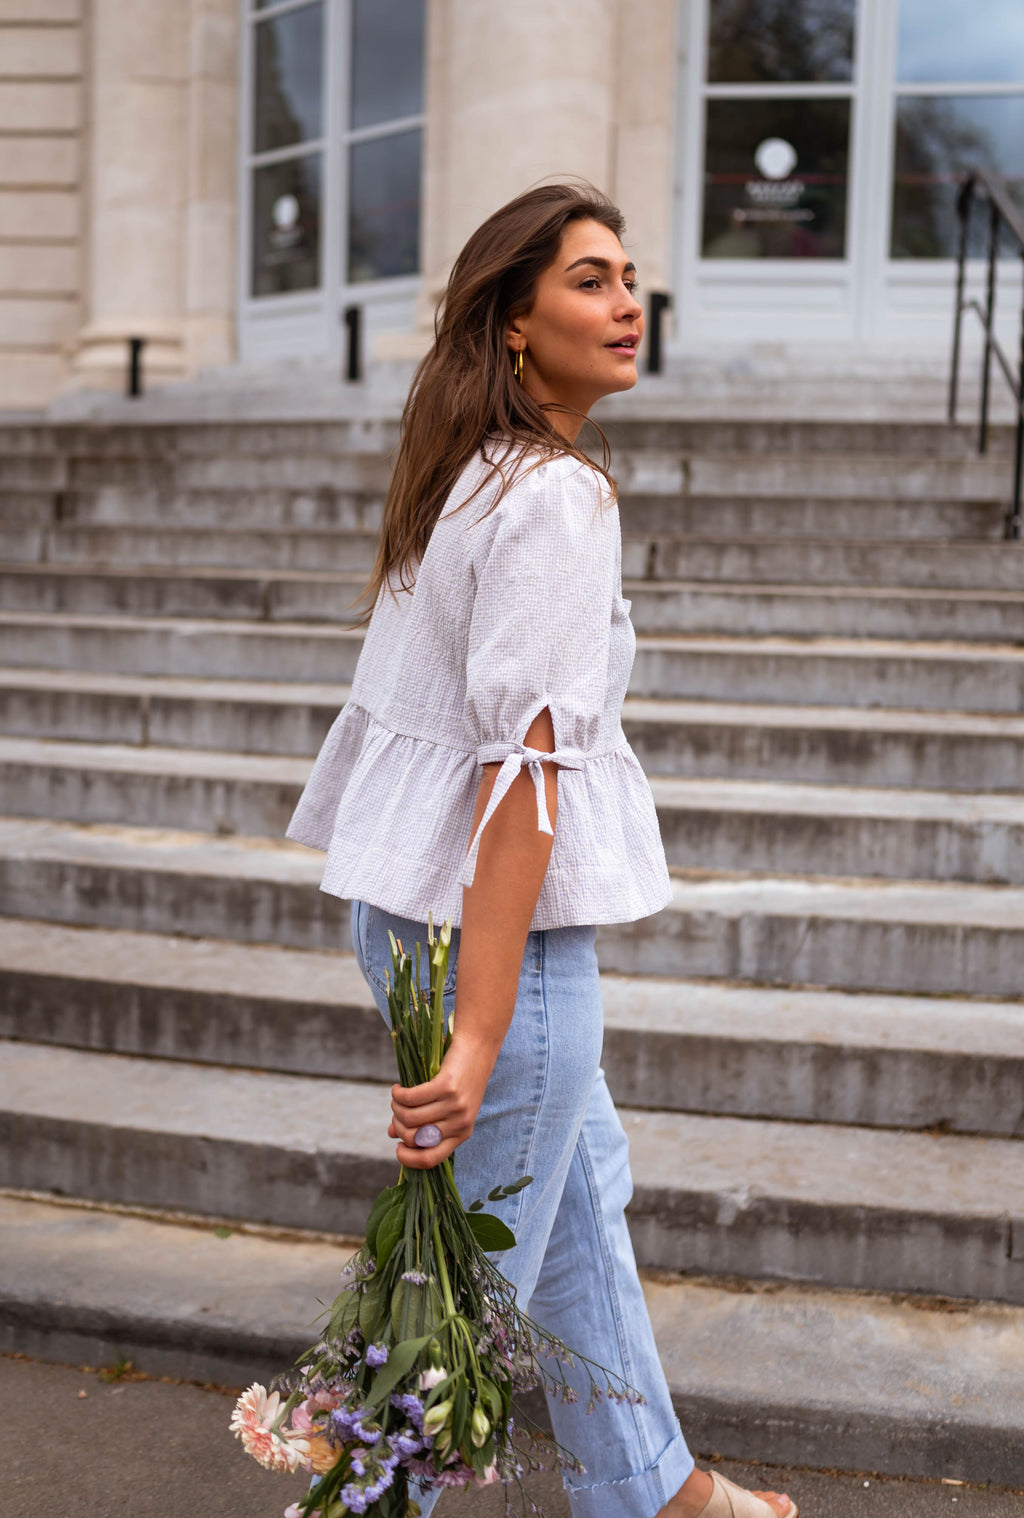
(642, 426)
(194, 592)
(741, 825)
(228, 547)
(256, 716)
(823, 671)
(918, 937)
(956, 751)
(697, 1046)
(799, 515)
(657, 606)
(773, 827)
(812, 745)
(823, 611)
(26, 507)
(42, 471)
(23, 544)
(870, 1208)
(821, 561)
(832, 671)
(772, 1372)
(229, 470)
(641, 423)
(903, 936)
(351, 495)
(353, 500)
(846, 474)
(965, 565)
(698, 470)
(209, 648)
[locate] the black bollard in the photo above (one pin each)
(135, 347)
(659, 303)
(353, 319)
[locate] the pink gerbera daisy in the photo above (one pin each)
(252, 1422)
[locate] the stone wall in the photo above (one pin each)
(41, 194)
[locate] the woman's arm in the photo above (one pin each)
(496, 913)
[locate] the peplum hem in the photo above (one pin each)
(394, 814)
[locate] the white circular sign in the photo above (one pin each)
(285, 211)
(775, 158)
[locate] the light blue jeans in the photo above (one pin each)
(547, 1113)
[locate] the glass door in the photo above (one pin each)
(331, 171)
(822, 143)
(773, 116)
(955, 101)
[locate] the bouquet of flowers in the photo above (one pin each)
(424, 1347)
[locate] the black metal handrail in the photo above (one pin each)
(1002, 212)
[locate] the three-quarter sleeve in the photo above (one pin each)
(540, 627)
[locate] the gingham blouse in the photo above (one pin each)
(513, 610)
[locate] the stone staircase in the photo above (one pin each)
(818, 1047)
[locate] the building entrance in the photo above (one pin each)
(332, 129)
(821, 144)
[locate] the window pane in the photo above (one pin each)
(775, 178)
(937, 138)
(961, 41)
(384, 207)
(289, 52)
(785, 41)
(286, 226)
(387, 60)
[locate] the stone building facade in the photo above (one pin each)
(227, 178)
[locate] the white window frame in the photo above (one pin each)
(308, 324)
(866, 297)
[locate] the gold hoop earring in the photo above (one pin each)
(517, 365)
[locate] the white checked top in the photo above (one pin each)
(513, 610)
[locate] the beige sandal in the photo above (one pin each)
(728, 1500)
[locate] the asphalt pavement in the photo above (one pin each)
(90, 1444)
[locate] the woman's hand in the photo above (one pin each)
(451, 1101)
(496, 913)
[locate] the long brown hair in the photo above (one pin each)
(464, 391)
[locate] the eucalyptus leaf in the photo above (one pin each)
(490, 1232)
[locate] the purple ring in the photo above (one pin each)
(427, 1137)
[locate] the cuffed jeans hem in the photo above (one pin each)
(639, 1496)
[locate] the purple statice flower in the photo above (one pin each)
(367, 1433)
(404, 1445)
(415, 1277)
(355, 1498)
(344, 1419)
(412, 1407)
(376, 1355)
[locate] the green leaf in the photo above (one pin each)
(400, 1362)
(490, 1232)
(383, 1204)
(417, 1307)
(475, 1206)
(460, 1414)
(344, 1314)
(494, 1400)
(390, 1231)
(369, 1310)
(520, 1185)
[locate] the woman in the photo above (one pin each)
(480, 772)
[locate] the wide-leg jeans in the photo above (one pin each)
(548, 1113)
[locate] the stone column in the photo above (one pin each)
(515, 93)
(647, 58)
(211, 226)
(137, 178)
